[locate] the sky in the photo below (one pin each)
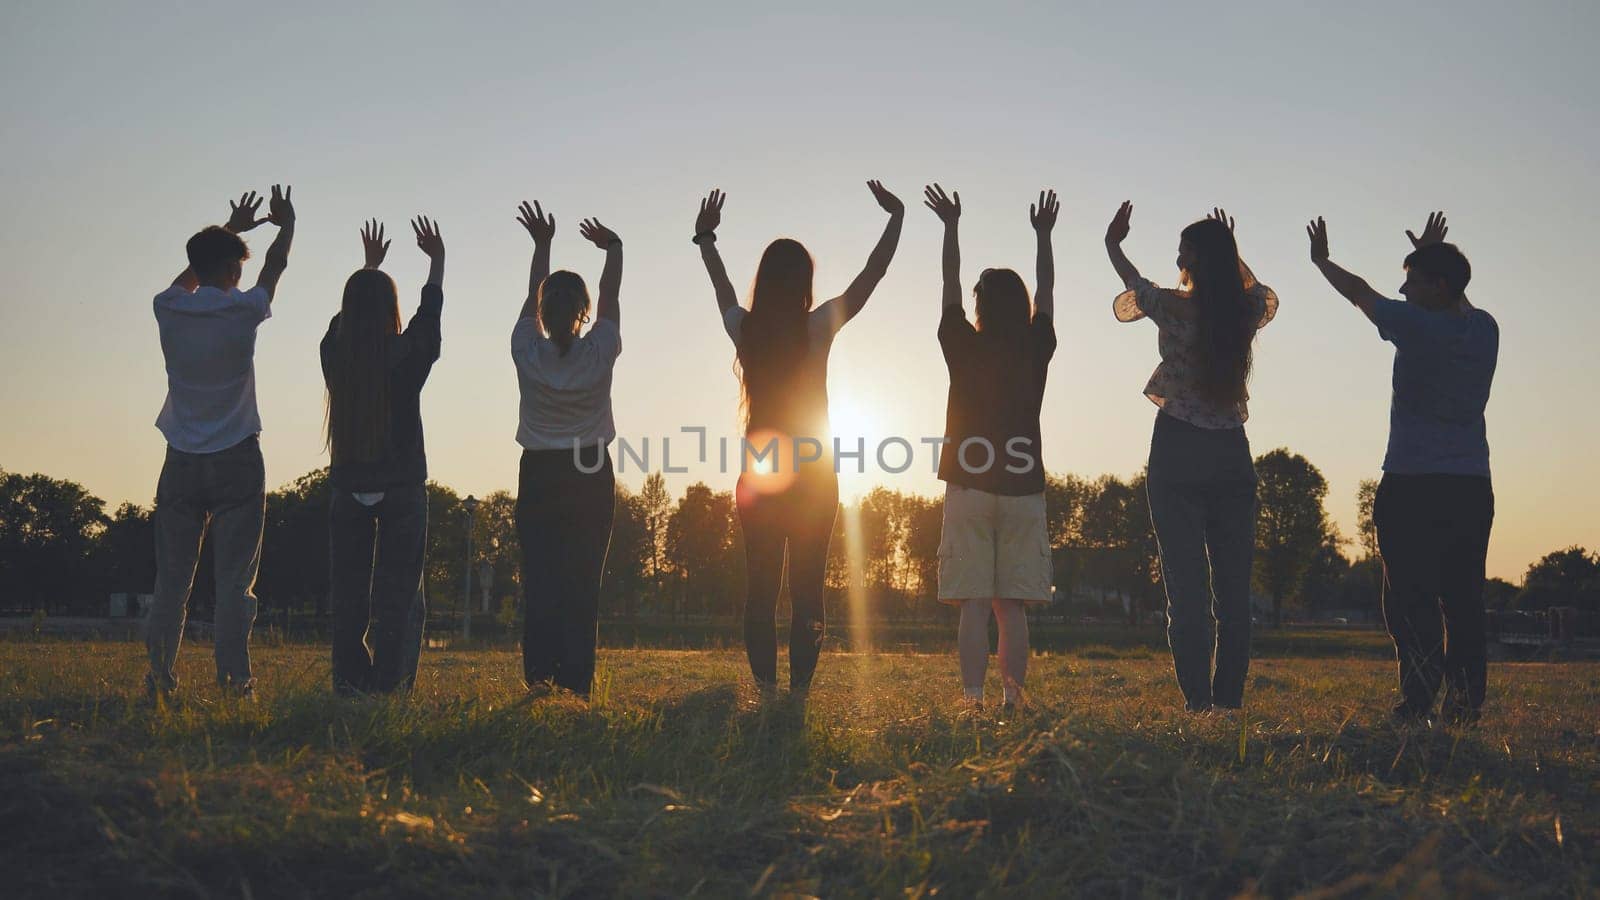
(129, 126)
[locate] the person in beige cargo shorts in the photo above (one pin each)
(994, 550)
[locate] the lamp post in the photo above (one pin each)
(471, 506)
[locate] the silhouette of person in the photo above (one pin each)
(566, 489)
(213, 480)
(1201, 480)
(378, 515)
(994, 544)
(788, 489)
(1435, 504)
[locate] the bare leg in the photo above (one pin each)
(973, 639)
(1013, 647)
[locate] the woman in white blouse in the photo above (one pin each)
(565, 488)
(788, 490)
(1201, 480)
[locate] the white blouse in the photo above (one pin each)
(566, 400)
(1174, 386)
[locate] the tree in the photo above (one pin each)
(1569, 577)
(495, 542)
(1327, 575)
(702, 548)
(47, 529)
(655, 509)
(923, 530)
(1291, 524)
(294, 545)
(1366, 531)
(444, 572)
(1499, 594)
(125, 552)
(629, 557)
(1119, 540)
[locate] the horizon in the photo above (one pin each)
(634, 122)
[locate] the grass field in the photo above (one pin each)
(675, 783)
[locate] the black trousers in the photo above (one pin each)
(1433, 535)
(800, 518)
(1201, 485)
(375, 560)
(564, 518)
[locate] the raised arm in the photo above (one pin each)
(1043, 217)
(1432, 233)
(430, 242)
(855, 296)
(241, 218)
(607, 306)
(948, 209)
(374, 247)
(705, 235)
(1116, 233)
(281, 212)
(542, 228)
(1353, 287)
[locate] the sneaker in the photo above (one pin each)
(244, 692)
(1404, 716)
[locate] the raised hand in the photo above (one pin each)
(1043, 213)
(280, 211)
(1222, 216)
(1432, 233)
(1121, 224)
(947, 208)
(1317, 231)
(890, 203)
(541, 226)
(710, 212)
(597, 234)
(428, 239)
(242, 216)
(373, 244)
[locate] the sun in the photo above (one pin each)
(853, 420)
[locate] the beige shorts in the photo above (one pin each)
(994, 547)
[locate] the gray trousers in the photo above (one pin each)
(1201, 485)
(222, 494)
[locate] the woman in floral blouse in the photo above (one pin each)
(1201, 480)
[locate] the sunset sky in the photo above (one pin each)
(129, 127)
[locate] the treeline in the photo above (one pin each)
(62, 553)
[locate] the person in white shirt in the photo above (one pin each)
(566, 490)
(213, 480)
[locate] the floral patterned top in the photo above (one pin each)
(1173, 385)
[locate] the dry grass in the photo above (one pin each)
(674, 783)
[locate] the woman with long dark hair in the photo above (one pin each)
(1201, 480)
(790, 496)
(378, 517)
(566, 490)
(994, 542)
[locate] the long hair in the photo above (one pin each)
(358, 380)
(1226, 321)
(773, 339)
(1003, 308)
(563, 307)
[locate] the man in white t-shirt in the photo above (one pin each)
(213, 479)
